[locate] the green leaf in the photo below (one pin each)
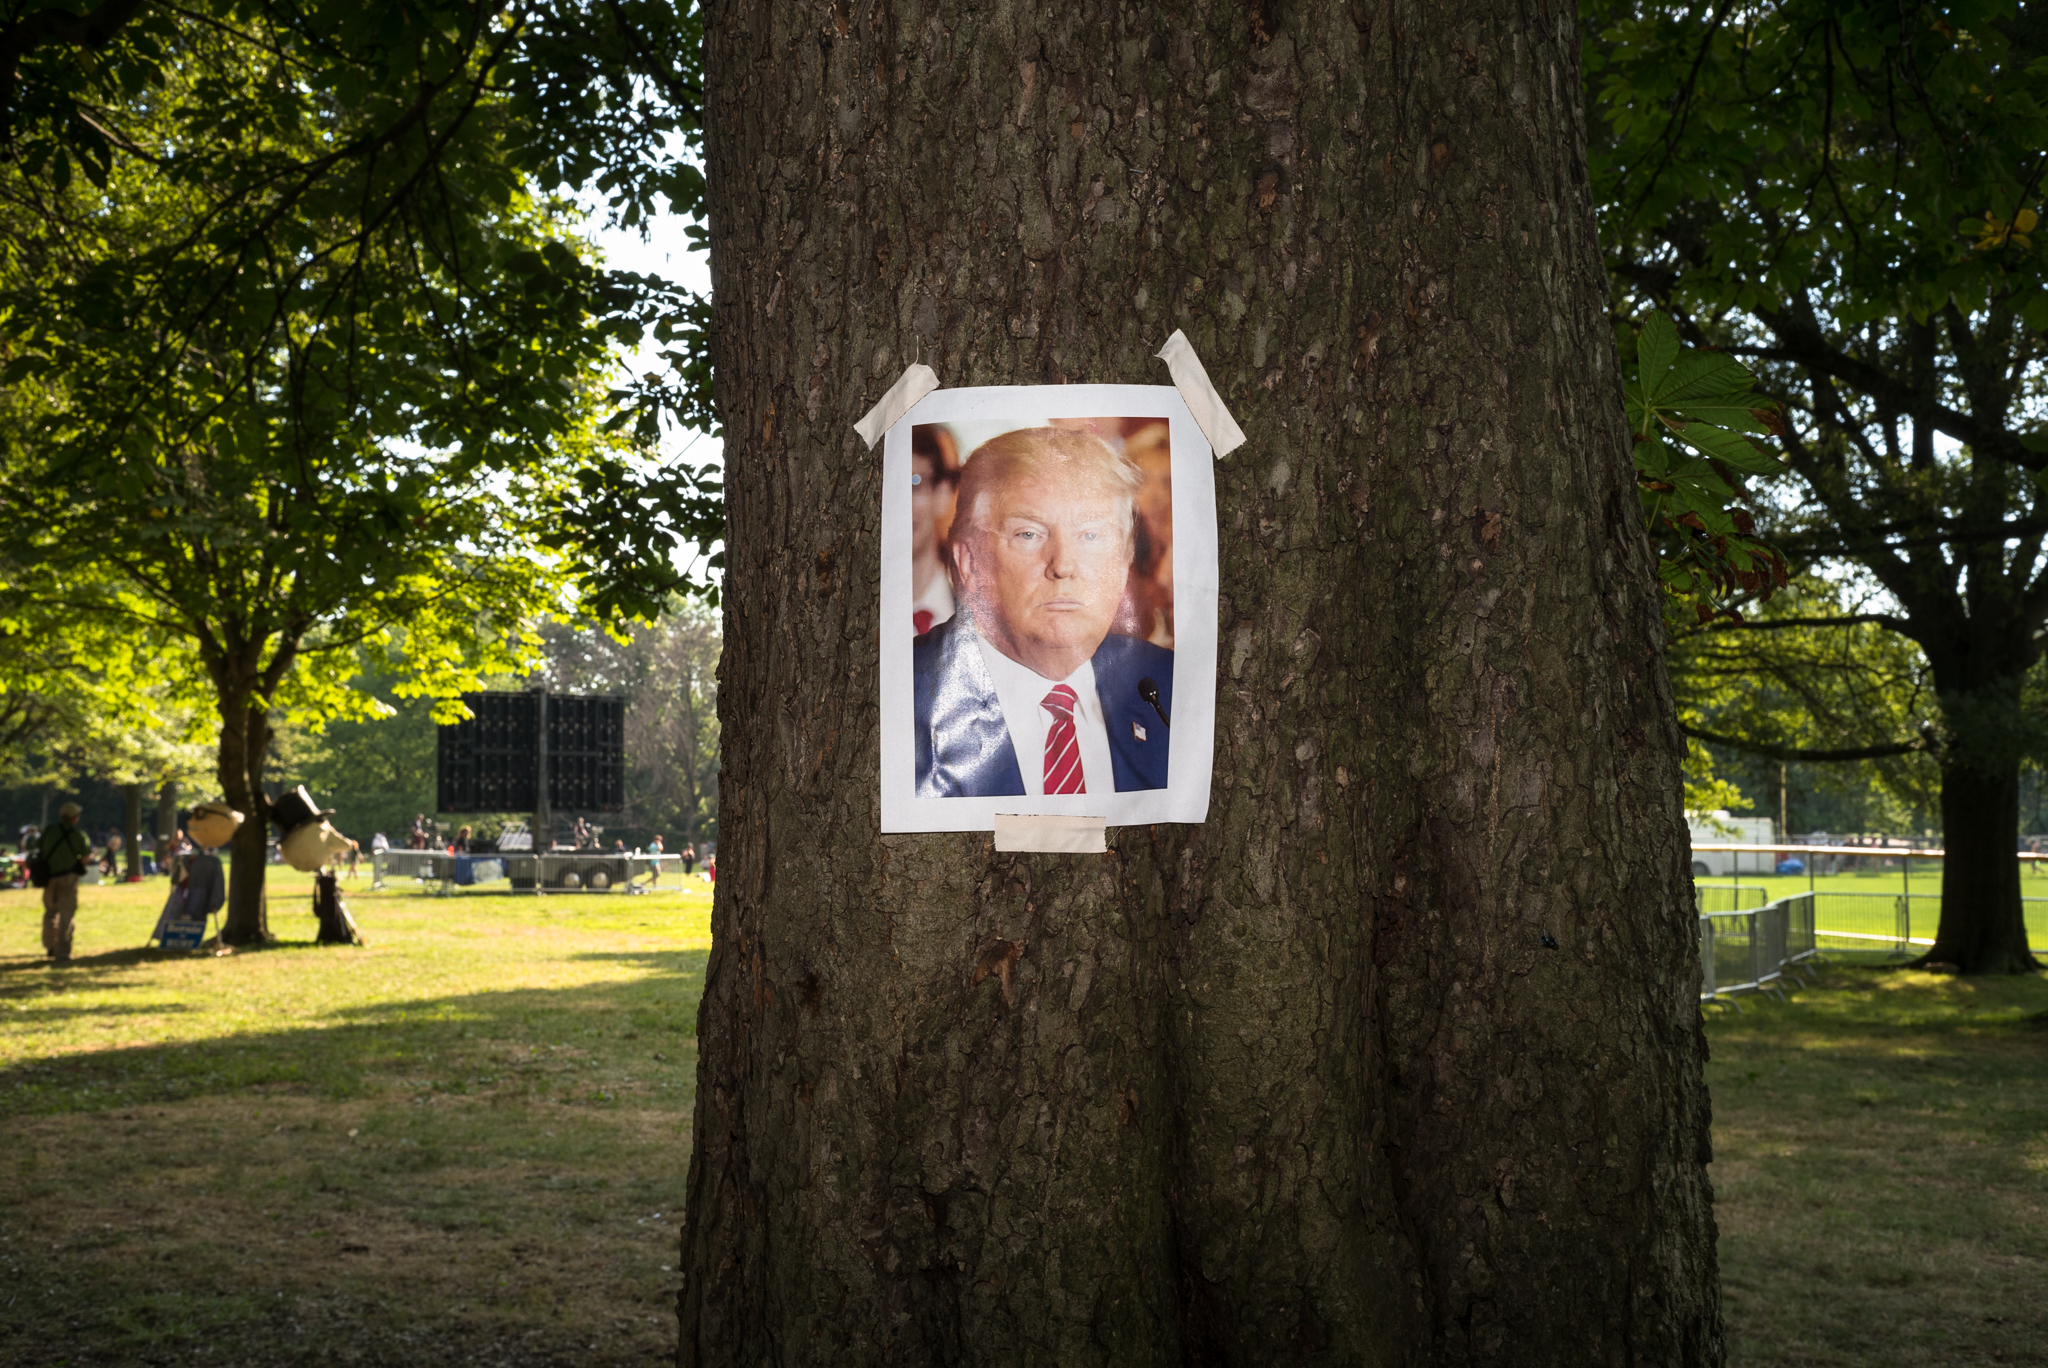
(1652, 456)
(1656, 349)
(1704, 374)
(1736, 412)
(1699, 487)
(1731, 449)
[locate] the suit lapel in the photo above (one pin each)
(971, 751)
(1139, 760)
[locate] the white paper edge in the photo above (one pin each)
(1191, 378)
(915, 383)
(1047, 833)
(1190, 762)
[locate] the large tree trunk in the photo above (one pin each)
(1980, 662)
(1395, 1059)
(1983, 927)
(244, 741)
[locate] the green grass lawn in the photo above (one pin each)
(1881, 1170)
(467, 1143)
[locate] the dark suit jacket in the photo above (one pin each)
(963, 743)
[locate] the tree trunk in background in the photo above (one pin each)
(1980, 662)
(131, 827)
(166, 819)
(1397, 1058)
(1983, 927)
(244, 741)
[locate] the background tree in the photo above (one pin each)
(318, 358)
(1396, 1057)
(376, 770)
(379, 770)
(1843, 194)
(82, 698)
(668, 671)
(1800, 685)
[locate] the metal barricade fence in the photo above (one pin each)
(422, 865)
(1748, 951)
(1728, 897)
(1866, 921)
(1903, 922)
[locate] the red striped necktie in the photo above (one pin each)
(1062, 747)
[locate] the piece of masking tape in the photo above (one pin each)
(1072, 835)
(1224, 435)
(915, 383)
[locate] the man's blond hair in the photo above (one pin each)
(1026, 452)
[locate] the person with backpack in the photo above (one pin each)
(64, 850)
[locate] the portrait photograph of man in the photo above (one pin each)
(1041, 614)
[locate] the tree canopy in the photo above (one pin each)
(1844, 195)
(309, 347)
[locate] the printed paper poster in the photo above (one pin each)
(1048, 587)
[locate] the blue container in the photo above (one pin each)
(476, 869)
(1791, 864)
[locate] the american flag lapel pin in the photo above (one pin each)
(1137, 731)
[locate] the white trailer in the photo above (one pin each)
(1718, 828)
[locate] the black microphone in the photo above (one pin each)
(1149, 691)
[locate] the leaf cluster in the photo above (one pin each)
(1876, 155)
(1695, 419)
(1809, 676)
(313, 353)
(1844, 196)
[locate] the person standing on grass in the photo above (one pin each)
(689, 858)
(654, 849)
(67, 849)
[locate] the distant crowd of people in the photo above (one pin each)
(68, 856)
(167, 855)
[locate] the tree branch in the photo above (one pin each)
(1799, 753)
(1803, 343)
(93, 30)
(1896, 624)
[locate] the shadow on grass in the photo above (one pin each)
(40, 972)
(653, 959)
(32, 975)
(561, 1044)
(1876, 1170)
(474, 1177)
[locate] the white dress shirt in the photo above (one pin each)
(1021, 690)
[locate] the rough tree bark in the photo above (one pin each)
(1983, 925)
(244, 741)
(1395, 1059)
(1986, 932)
